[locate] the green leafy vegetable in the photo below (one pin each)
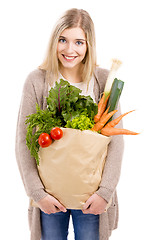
(82, 122)
(39, 122)
(65, 101)
(65, 108)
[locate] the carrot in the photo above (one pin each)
(109, 131)
(103, 120)
(101, 108)
(117, 120)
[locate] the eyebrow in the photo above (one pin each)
(81, 40)
(78, 39)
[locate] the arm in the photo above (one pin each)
(27, 164)
(112, 168)
(101, 199)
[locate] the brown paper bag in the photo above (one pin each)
(71, 168)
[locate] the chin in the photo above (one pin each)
(69, 65)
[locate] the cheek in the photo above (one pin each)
(83, 51)
(59, 48)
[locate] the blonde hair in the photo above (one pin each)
(70, 19)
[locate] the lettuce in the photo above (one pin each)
(82, 122)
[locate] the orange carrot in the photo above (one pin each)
(109, 131)
(103, 120)
(117, 120)
(101, 107)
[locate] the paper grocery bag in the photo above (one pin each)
(71, 168)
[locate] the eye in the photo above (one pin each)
(79, 43)
(62, 40)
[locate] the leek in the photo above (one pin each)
(111, 76)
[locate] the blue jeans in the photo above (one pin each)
(55, 226)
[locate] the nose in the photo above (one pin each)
(69, 48)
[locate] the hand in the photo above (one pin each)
(49, 205)
(94, 205)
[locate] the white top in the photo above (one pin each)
(81, 85)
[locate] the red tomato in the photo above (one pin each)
(44, 140)
(56, 133)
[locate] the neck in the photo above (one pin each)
(71, 74)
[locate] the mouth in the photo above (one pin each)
(69, 58)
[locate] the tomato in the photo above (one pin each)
(56, 133)
(44, 140)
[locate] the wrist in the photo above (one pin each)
(105, 193)
(38, 195)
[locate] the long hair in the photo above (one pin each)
(70, 19)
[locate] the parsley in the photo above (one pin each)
(39, 122)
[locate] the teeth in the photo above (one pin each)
(69, 58)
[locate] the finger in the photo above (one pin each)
(89, 211)
(60, 207)
(48, 212)
(86, 211)
(87, 204)
(57, 209)
(51, 209)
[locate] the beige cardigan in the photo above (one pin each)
(35, 90)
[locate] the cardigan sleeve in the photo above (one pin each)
(112, 168)
(27, 164)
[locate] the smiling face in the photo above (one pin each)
(71, 48)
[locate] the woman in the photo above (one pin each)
(71, 55)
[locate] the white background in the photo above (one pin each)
(127, 30)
